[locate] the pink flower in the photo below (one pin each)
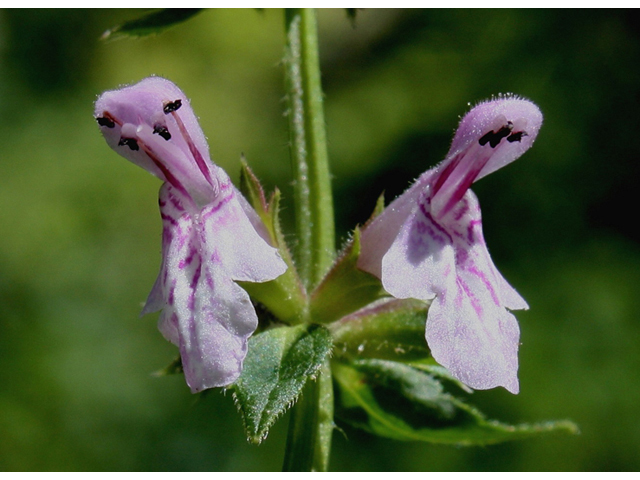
(428, 244)
(211, 236)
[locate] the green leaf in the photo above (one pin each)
(430, 366)
(378, 209)
(387, 329)
(151, 23)
(285, 296)
(351, 15)
(397, 401)
(252, 190)
(173, 368)
(346, 288)
(277, 366)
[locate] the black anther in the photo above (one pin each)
(106, 121)
(171, 106)
(132, 143)
(494, 138)
(516, 137)
(162, 131)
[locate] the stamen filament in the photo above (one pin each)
(202, 165)
(166, 172)
(464, 185)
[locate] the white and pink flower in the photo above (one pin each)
(428, 244)
(211, 235)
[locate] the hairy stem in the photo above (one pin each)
(311, 426)
(312, 183)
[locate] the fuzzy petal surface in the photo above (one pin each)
(211, 236)
(205, 312)
(428, 244)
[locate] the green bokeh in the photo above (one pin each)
(80, 230)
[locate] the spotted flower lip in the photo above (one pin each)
(428, 244)
(211, 236)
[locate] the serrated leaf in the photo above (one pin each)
(346, 288)
(387, 329)
(397, 401)
(278, 364)
(285, 296)
(151, 23)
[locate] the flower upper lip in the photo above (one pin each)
(151, 123)
(472, 160)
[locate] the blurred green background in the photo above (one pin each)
(80, 230)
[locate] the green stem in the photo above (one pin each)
(312, 181)
(311, 426)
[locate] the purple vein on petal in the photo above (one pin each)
(428, 215)
(485, 281)
(475, 303)
(187, 261)
(222, 202)
(194, 283)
